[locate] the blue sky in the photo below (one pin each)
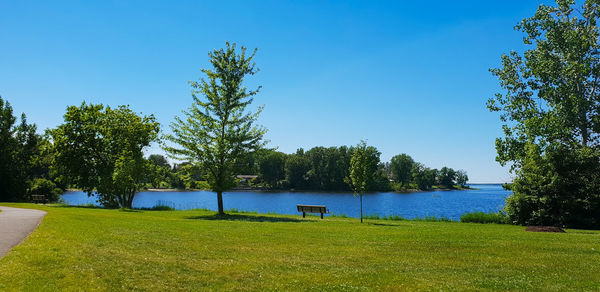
(407, 77)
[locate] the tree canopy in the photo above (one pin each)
(99, 149)
(401, 166)
(549, 109)
(20, 155)
(218, 130)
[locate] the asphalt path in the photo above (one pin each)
(15, 225)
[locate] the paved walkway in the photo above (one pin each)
(15, 225)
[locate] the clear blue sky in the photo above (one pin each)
(408, 77)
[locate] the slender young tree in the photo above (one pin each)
(218, 130)
(359, 172)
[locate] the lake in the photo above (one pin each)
(449, 204)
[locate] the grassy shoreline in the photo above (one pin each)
(103, 249)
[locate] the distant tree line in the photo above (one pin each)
(325, 168)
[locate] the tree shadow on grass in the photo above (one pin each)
(97, 207)
(77, 206)
(386, 224)
(244, 217)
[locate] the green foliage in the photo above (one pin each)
(401, 167)
(360, 171)
(159, 160)
(550, 111)
(24, 155)
(160, 174)
(446, 177)
(272, 168)
(559, 187)
(99, 150)
(482, 217)
(218, 130)
(200, 185)
(319, 168)
(461, 177)
(326, 169)
(161, 206)
(423, 177)
(42, 186)
(296, 167)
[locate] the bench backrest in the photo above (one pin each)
(38, 197)
(312, 209)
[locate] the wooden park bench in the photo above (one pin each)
(38, 199)
(312, 209)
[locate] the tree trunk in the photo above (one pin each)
(584, 135)
(220, 202)
(361, 219)
(130, 200)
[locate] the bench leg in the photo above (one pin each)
(321, 215)
(303, 214)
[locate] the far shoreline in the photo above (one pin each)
(165, 190)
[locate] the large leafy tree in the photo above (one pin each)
(550, 106)
(100, 149)
(447, 177)
(272, 167)
(423, 176)
(219, 130)
(401, 166)
(19, 148)
(296, 167)
(461, 177)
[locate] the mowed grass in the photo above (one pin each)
(97, 249)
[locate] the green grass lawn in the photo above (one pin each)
(98, 249)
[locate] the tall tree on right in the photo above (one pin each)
(549, 111)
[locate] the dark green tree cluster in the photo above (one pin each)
(24, 159)
(184, 175)
(320, 168)
(550, 113)
(326, 168)
(408, 174)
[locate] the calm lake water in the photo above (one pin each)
(449, 204)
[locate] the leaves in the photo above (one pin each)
(551, 93)
(218, 130)
(99, 150)
(550, 117)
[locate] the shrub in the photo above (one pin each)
(432, 219)
(393, 217)
(341, 215)
(558, 186)
(161, 206)
(482, 217)
(41, 186)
